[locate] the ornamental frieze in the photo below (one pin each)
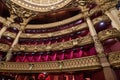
(114, 59)
(53, 47)
(108, 33)
(85, 63)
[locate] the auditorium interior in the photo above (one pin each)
(59, 39)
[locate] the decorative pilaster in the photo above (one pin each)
(115, 23)
(108, 72)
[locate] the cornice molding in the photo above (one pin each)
(114, 59)
(84, 63)
(108, 33)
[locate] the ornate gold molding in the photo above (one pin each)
(4, 47)
(84, 63)
(57, 33)
(10, 34)
(53, 47)
(103, 35)
(104, 5)
(63, 32)
(114, 59)
(109, 33)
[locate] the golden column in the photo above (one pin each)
(108, 72)
(22, 26)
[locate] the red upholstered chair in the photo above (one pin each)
(92, 51)
(29, 57)
(44, 57)
(37, 58)
(77, 53)
(20, 58)
(68, 54)
(52, 56)
(17, 59)
(85, 53)
(60, 55)
(25, 58)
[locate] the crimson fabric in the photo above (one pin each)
(68, 54)
(56, 77)
(44, 57)
(51, 77)
(57, 55)
(115, 47)
(78, 77)
(78, 53)
(70, 77)
(52, 57)
(61, 77)
(98, 76)
(112, 48)
(92, 51)
(117, 71)
(60, 56)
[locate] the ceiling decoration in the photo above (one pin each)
(42, 5)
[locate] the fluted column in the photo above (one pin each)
(115, 23)
(108, 72)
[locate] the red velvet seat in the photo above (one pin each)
(77, 53)
(52, 56)
(60, 55)
(68, 54)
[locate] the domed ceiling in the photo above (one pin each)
(42, 5)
